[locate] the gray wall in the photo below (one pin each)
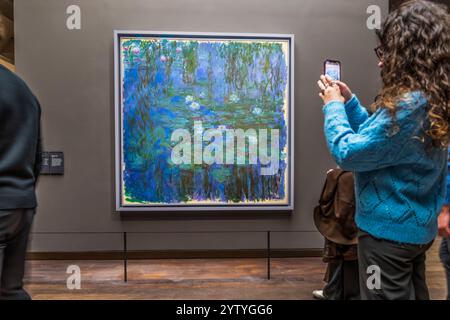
(71, 72)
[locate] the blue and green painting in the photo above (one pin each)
(223, 84)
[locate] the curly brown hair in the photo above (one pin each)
(415, 45)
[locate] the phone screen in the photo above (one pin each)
(333, 69)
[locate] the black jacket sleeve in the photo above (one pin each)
(38, 160)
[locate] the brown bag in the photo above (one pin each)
(334, 216)
(333, 252)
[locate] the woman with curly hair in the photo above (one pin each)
(397, 150)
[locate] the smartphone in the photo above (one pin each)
(332, 68)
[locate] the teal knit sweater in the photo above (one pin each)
(400, 182)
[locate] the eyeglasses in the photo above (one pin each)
(379, 52)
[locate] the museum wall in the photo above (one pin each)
(72, 74)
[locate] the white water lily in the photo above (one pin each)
(194, 106)
(189, 99)
(257, 111)
(202, 95)
(234, 98)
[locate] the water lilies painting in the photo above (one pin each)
(203, 121)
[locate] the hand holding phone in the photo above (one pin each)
(329, 90)
(332, 68)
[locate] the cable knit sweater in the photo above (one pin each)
(400, 182)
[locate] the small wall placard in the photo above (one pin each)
(52, 163)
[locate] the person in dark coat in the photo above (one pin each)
(334, 218)
(20, 158)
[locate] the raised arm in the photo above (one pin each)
(379, 143)
(356, 113)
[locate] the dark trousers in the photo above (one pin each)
(343, 281)
(15, 227)
(402, 269)
(444, 254)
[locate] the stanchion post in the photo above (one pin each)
(268, 255)
(125, 258)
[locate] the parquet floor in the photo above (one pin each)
(292, 278)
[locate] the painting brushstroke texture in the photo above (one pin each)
(204, 121)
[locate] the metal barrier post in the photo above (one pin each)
(268, 255)
(125, 258)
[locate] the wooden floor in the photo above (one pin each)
(194, 279)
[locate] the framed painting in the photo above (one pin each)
(204, 121)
